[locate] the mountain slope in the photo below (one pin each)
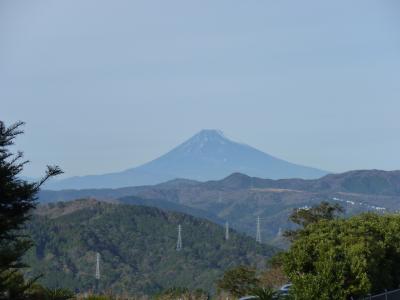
(239, 198)
(368, 182)
(137, 247)
(207, 155)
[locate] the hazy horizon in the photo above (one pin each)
(106, 86)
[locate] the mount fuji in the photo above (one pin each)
(208, 155)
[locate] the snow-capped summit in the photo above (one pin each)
(204, 138)
(207, 155)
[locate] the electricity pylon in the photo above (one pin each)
(280, 232)
(179, 242)
(258, 233)
(97, 276)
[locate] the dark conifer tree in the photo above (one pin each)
(17, 199)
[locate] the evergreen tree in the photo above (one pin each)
(17, 199)
(240, 281)
(343, 258)
(304, 217)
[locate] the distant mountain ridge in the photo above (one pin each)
(371, 182)
(239, 198)
(207, 155)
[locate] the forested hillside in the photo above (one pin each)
(137, 246)
(239, 198)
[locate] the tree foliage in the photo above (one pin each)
(273, 277)
(38, 292)
(263, 293)
(339, 258)
(137, 246)
(304, 217)
(239, 281)
(182, 293)
(17, 199)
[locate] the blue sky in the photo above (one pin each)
(108, 85)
